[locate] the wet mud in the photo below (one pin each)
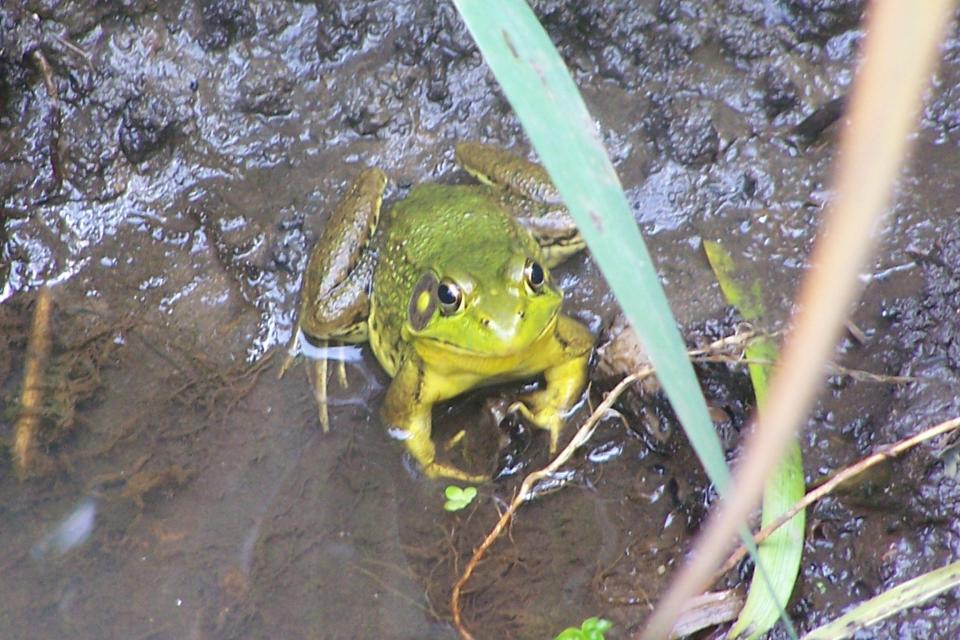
(165, 168)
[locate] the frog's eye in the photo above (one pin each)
(450, 296)
(534, 276)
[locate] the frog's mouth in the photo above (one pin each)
(507, 350)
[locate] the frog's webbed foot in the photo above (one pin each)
(442, 470)
(548, 418)
(317, 375)
(293, 350)
(416, 438)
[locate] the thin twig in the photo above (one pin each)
(70, 46)
(834, 481)
(833, 369)
(526, 491)
(25, 453)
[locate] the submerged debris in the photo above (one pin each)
(26, 454)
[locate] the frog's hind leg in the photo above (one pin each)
(525, 189)
(496, 167)
(335, 294)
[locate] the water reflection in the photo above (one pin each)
(71, 532)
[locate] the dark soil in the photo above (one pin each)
(165, 167)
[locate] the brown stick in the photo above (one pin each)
(526, 489)
(834, 481)
(25, 454)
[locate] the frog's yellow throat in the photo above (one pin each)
(448, 358)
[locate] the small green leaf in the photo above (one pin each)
(594, 628)
(458, 498)
(591, 629)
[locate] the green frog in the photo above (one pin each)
(452, 289)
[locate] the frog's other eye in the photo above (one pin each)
(450, 296)
(534, 276)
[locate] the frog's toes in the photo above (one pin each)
(443, 470)
(317, 375)
(547, 418)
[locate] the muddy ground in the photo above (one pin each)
(165, 166)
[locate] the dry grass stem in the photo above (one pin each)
(26, 455)
(56, 143)
(718, 349)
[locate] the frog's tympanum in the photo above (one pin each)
(452, 289)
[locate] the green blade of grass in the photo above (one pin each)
(548, 104)
(907, 594)
(780, 554)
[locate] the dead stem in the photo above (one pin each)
(836, 480)
(736, 341)
(833, 369)
(26, 455)
(526, 491)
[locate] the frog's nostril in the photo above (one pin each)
(521, 313)
(485, 322)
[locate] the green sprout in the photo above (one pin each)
(458, 498)
(591, 629)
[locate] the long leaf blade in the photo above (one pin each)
(549, 106)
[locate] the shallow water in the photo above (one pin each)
(192, 494)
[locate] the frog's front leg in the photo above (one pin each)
(407, 409)
(565, 380)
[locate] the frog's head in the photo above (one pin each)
(484, 311)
